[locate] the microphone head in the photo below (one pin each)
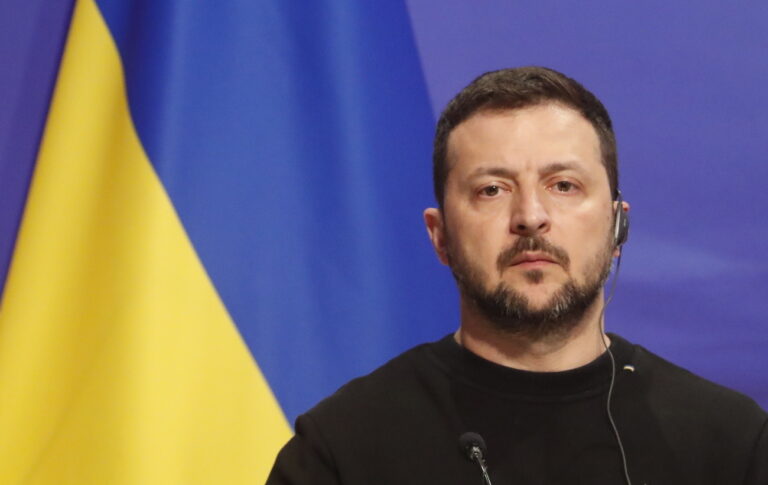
(469, 440)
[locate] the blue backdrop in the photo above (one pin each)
(295, 142)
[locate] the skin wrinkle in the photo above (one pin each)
(553, 167)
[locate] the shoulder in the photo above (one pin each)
(391, 389)
(677, 384)
(365, 428)
(694, 405)
(679, 422)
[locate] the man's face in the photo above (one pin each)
(527, 216)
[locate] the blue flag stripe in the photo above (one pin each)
(281, 134)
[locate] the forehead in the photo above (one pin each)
(524, 138)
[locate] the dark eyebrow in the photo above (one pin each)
(505, 172)
(497, 171)
(555, 167)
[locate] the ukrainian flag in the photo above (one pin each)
(208, 243)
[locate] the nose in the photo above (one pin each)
(529, 217)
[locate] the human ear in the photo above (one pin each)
(435, 222)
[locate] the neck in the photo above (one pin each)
(580, 346)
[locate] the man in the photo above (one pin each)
(529, 220)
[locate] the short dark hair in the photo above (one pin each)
(509, 89)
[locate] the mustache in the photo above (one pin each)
(532, 243)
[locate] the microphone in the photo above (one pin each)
(473, 447)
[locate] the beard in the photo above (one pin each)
(510, 311)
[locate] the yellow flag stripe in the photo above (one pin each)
(118, 362)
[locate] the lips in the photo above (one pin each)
(532, 258)
(532, 252)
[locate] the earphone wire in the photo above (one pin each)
(613, 371)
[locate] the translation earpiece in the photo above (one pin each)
(621, 222)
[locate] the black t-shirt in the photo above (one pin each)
(401, 425)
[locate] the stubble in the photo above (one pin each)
(510, 311)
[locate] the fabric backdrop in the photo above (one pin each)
(210, 213)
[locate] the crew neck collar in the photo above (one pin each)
(594, 376)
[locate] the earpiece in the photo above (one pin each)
(620, 235)
(621, 222)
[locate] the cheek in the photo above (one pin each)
(475, 239)
(589, 240)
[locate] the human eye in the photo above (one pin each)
(491, 190)
(564, 186)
